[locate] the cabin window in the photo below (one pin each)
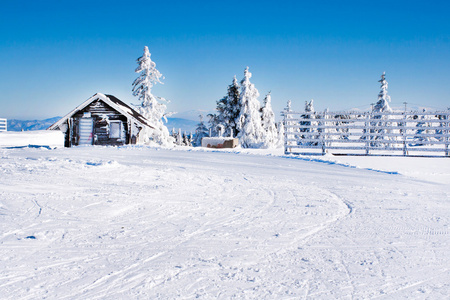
(115, 129)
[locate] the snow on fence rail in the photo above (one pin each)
(367, 133)
(3, 124)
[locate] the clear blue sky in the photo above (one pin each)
(56, 54)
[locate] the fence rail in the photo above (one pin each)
(368, 133)
(3, 124)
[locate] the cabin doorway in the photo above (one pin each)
(86, 131)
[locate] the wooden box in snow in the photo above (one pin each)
(219, 142)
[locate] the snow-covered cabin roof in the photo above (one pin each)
(112, 101)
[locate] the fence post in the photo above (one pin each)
(367, 126)
(322, 131)
(403, 130)
(447, 138)
(285, 132)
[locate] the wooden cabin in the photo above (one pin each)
(101, 120)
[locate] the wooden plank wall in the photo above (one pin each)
(102, 114)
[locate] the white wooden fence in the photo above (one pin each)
(365, 133)
(3, 124)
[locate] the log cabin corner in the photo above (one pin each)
(101, 120)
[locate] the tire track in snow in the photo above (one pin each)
(236, 220)
(120, 276)
(40, 208)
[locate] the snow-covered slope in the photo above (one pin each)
(137, 222)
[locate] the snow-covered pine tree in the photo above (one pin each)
(220, 117)
(309, 107)
(344, 132)
(280, 133)
(382, 105)
(187, 139)
(228, 109)
(233, 108)
(179, 140)
(174, 134)
(324, 132)
(150, 107)
(422, 130)
(213, 122)
(249, 123)
(308, 132)
(200, 132)
(270, 137)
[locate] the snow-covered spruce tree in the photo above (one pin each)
(228, 109)
(187, 139)
(249, 123)
(270, 137)
(344, 132)
(325, 132)
(220, 117)
(179, 140)
(233, 108)
(213, 122)
(201, 132)
(280, 132)
(308, 132)
(150, 107)
(382, 105)
(422, 130)
(309, 107)
(174, 134)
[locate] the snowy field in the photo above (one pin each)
(147, 223)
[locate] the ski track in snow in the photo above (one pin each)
(101, 223)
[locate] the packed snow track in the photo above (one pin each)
(137, 222)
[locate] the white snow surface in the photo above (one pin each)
(40, 138)
(149, 223)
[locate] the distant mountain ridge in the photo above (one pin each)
(27, 125)
(183, 124)
(194, 114)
